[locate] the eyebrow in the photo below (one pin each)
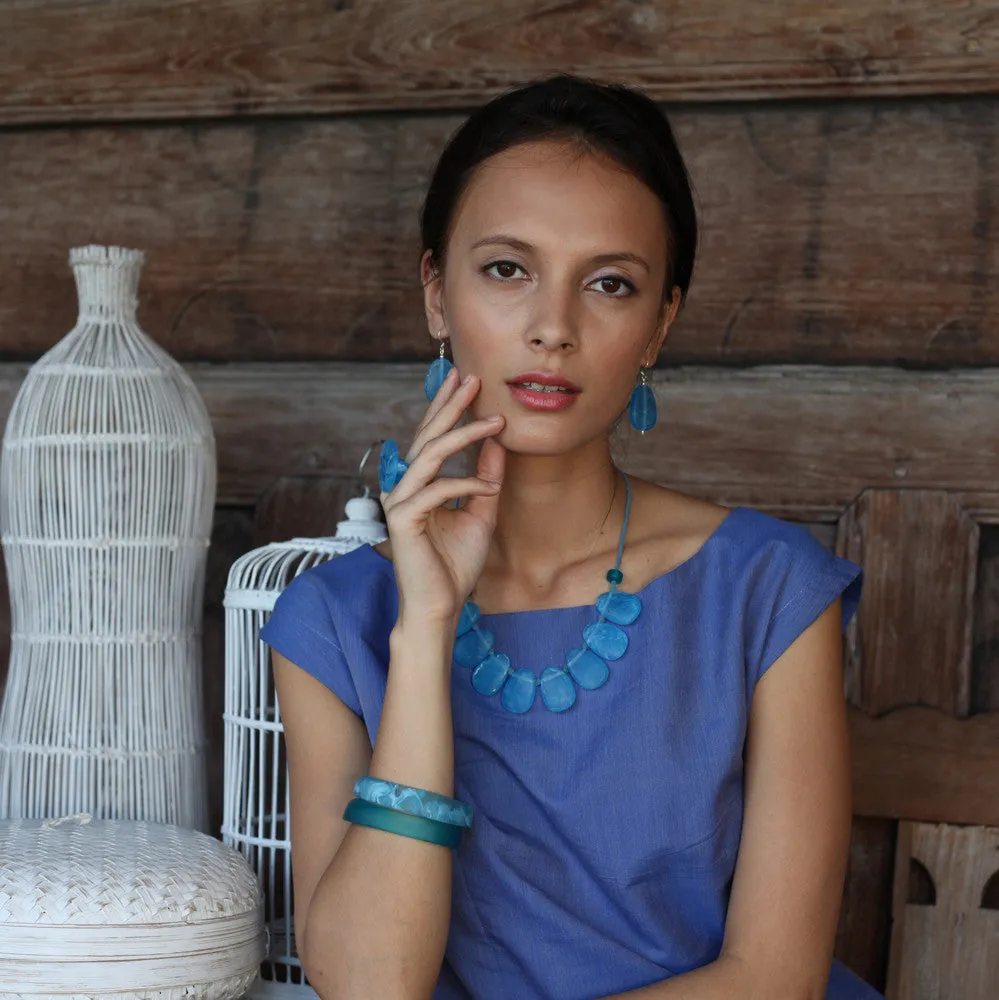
(603, 258)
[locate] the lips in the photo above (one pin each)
(544, 391)
(538, 381)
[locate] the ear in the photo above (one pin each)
(667, 315)
(433, 296)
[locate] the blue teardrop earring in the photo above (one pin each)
(437, 371)
(643, 410)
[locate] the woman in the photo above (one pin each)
(665, 814)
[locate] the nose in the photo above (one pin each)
(554, 325)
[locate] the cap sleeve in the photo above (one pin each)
(301, 629)
(800, 580)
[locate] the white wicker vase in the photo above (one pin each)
(256, 817)
(107, 485)
(129, 910)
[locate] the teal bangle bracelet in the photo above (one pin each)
(415, 801)
(432, 831)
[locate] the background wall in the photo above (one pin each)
(833, 364)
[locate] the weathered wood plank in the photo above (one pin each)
(304, 507)
(844, 233)
(985, 661)
(798, 441)
(88, 60)
(907, 884)
(864, 930)
(945, 946)
(920, 764)
(912, 644)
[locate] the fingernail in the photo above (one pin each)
(494, 419)
(466, 380)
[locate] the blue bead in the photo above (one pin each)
(518, 692)
(390, 466)
(643, 410)
(436, 374)
(489, 675)
(473, 647)
(614, 576)
(606, 640)
(620, 608)
(557, 690)
(587, 669)
(469, 616)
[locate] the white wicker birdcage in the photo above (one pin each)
(255, 814)
(107, 487)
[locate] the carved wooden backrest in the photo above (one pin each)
(945, 940)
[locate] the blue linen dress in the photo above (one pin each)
(605, 837)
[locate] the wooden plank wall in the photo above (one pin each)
(837, 233)
(833, 366)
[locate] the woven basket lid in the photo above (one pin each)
(131, 908)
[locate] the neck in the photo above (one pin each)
(555, 512)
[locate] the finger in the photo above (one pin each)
(444, 393)
(492, 460)
(446, 417)
(415, 509)
(427, 464)
(491, 468)
(449, 387)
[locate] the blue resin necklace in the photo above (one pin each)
(603, 640)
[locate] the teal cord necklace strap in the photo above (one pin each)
(586, 667)
(362, 813)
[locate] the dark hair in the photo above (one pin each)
(620, 122)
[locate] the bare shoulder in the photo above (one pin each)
(667, 528)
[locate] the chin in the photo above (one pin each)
(547, 443)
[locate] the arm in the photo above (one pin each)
(787, 890)
(371, 908)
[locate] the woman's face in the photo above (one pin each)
(555, 265)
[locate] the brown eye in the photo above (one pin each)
(503, 269)
(614, 287)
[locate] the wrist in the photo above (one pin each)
(423, 641)
(425, 629)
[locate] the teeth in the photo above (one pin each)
(538, 387)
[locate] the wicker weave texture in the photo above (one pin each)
(79, 871)
(223, 989)
(139, 909)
